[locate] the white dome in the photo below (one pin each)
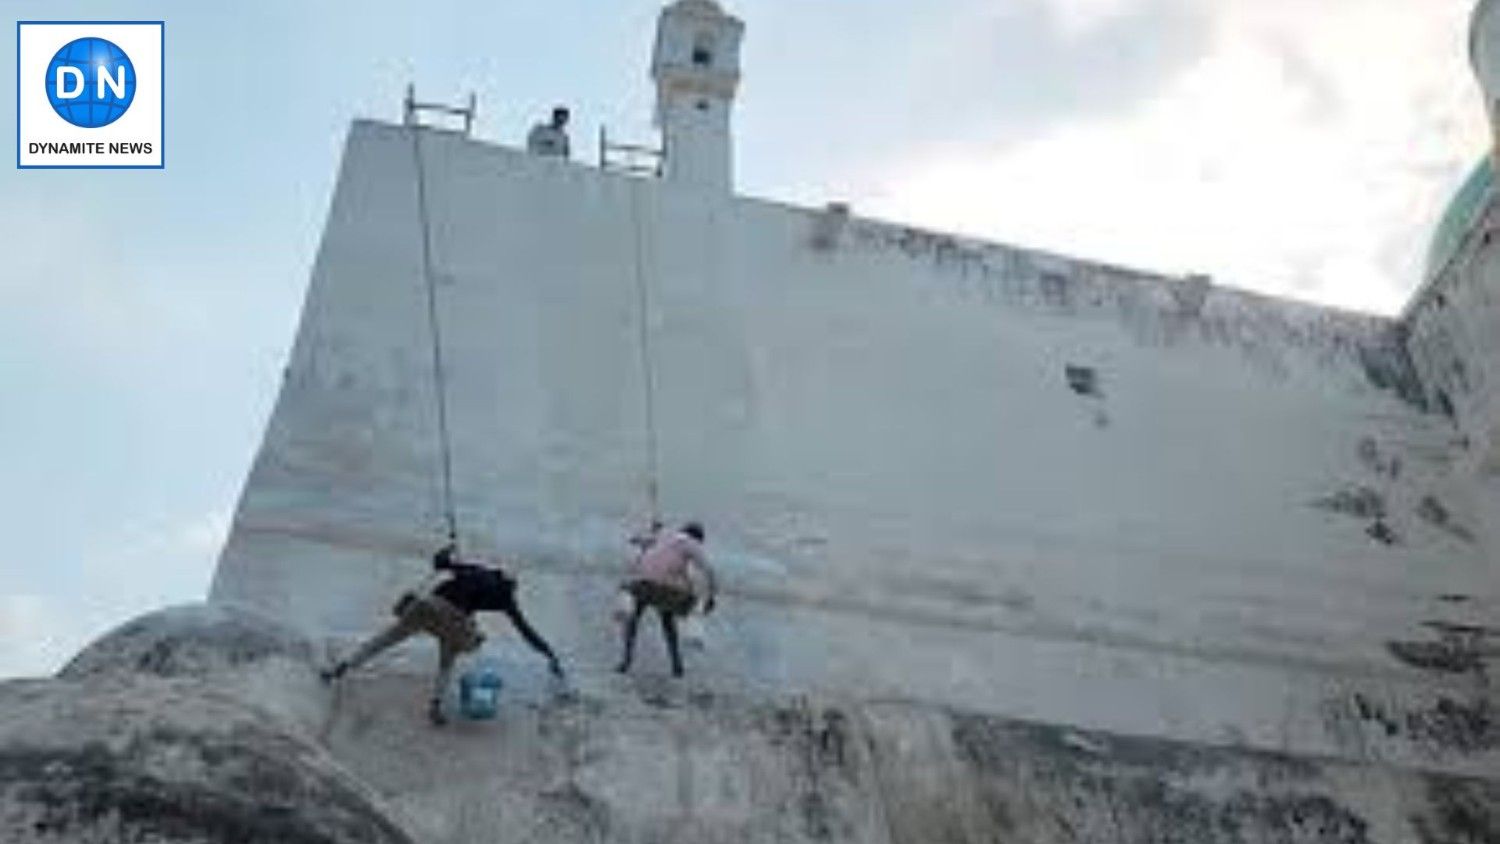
(1484, 46)
(699, 6)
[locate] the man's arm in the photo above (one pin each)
(698, 558)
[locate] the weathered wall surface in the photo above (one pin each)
(1453, 322)
(1453, 335)
(1241, 528)
(1453, 325)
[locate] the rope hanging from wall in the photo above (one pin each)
(650, 482)
(439, 371)
(648, 370)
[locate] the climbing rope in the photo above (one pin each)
(439, 373)
(648, 372)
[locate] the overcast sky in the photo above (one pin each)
(1295, 147)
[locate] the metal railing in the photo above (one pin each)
(411, 110)
(630, 159)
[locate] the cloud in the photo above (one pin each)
(34, 635)
(150, 567)
(919, 78)
(1322, 100)
(1016, 69)
(1300, 149)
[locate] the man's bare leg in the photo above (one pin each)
(398, 631)
(446, 656)
(631, 624)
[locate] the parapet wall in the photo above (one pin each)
(1453, 326)
(931, 469)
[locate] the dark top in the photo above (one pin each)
(473, 589)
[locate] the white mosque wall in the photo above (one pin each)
(1246, 536)
(1453, 329)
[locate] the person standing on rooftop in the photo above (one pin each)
(550, 138)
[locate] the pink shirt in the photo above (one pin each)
(667, 561)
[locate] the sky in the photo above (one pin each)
(1298, 148)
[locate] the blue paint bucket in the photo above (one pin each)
(479, 690)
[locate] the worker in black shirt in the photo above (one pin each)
(447, 613)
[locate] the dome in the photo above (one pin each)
(1463, 211)
(708, 7)
(1479, 18)
(702, 10)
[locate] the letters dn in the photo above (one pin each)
(89, 94)
(90, 82)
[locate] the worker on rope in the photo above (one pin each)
(447, 613)
(550, 138)
(660, 578)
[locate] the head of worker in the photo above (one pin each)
(446, 556)
(560, 117)
(694, 529)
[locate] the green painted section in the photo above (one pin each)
(1463, 211)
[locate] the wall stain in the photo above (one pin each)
(1448, 657)
(1459, 648)
(1361, 502)
(1432, 511)
(1388, 366)
(1358, 501)
(1458, 811)
(1369, 454)
(817, 740)
(1160, 310)
(1092, 786)
(571, 814)
(1448, 725)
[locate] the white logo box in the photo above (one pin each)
(36, 122)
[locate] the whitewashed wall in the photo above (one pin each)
(906, 499)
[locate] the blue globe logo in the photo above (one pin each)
(90, 82)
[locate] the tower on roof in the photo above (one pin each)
(1484, 55)
(696, 65)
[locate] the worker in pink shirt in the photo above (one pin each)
(660, 578)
